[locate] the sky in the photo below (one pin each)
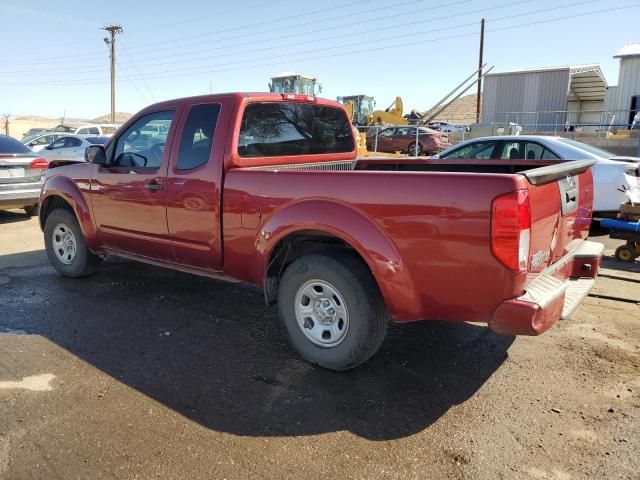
(57, 61)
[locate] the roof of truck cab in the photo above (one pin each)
(261, 96)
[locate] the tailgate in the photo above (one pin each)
(561, 201)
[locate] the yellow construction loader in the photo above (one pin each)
(390, 116)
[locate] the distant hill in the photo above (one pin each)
(33, 118)
(462, 111)
(121, 117)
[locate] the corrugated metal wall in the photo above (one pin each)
(628, 86)
(542, 91)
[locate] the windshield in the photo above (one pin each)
(588, 148)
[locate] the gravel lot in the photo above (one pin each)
(141, 372)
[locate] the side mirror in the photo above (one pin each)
(95, 154)
(49, 147)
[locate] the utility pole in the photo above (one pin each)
(113, 30)
(6, 123)
(480, 63)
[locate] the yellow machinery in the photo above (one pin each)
(359, 107)
(295, 83)
(391, 116)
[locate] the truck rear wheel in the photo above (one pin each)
(66, 247)
(332, 310)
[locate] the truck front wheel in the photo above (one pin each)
(65, 245)
(332, 310)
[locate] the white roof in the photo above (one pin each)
(572, 68)
(293, 74)
(631, 50)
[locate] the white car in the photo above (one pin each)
(445, 127)
(102, 130)
(70, 147)
(42, 140)
(612, 175)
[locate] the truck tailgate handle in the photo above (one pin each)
(154, 186)
(569, 188)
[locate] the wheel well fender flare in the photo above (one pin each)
(59, 188)
(357, 231)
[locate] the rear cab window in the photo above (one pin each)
(273, 129)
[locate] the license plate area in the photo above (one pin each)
(15, 172)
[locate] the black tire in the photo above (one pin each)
(367, 315)
(84, 262)
(31, 210)
(625, 254)
(416, 152)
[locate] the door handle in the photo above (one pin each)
(154, 186)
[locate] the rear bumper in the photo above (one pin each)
(20, 195)
(553, 294)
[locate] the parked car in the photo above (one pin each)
(33, 131)
(41, 140)
(403, 139)
(92, 129)
(70, 147)
(612, 175)
(267, 189)
(447, 127)
(21, 176)
(103, 130)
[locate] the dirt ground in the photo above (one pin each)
(141, 372)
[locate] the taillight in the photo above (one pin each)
(511, 229)
(39, 163)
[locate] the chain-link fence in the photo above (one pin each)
(617, 132)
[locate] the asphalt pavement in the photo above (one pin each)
(142, 372)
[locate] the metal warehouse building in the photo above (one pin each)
(624, 100)
(545, 99)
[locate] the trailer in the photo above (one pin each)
(628, 231)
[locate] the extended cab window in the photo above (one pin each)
(142, 144)
(282, 129)
(197, 136)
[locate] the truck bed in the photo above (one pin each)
(436, 215)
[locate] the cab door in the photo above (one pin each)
(128, 194)
(194, 185)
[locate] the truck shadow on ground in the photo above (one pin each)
(7, 216)
(216, 354)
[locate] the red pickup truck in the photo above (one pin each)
(267, 189)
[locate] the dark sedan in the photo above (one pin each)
(403, 139)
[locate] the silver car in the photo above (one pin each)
(21, 176)
(70, 147)
(612, 175)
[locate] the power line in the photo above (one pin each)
(355, 52)
(50, 60)
(388, 38)
(48, 16)
(201, 18)
(144, 82)
(69, 70)
(281, 19)
(308, 32)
